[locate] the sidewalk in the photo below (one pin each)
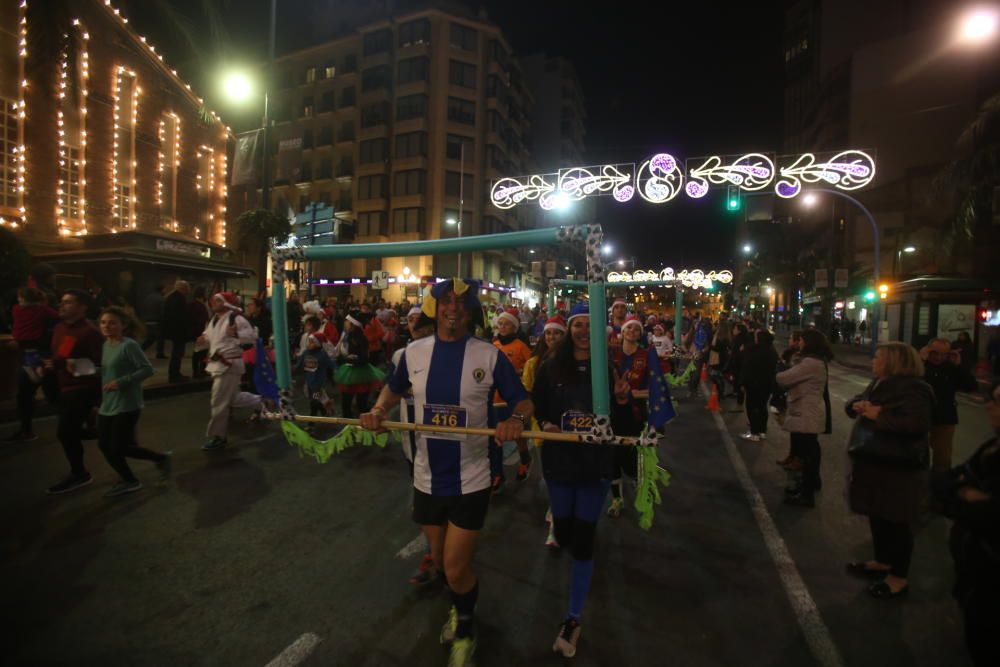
(155, 387)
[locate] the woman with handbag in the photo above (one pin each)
(807, 412)
(889, 446)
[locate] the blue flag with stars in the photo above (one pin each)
(263, 374)
(661, 404)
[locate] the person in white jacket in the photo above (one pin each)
(225, 335)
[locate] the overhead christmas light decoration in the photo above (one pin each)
(753, 171)
(848, 170)
(660, 178)
(72, 160)
(695, 278)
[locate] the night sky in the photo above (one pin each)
(697, 79)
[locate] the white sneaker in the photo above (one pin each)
(752, 437)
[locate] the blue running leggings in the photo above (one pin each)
(575, 509)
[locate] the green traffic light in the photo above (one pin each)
(869, 296)
(733, 204)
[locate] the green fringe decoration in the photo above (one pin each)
(682, 379)
(647, 496)
(322, 450)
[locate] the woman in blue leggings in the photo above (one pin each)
(578, 476)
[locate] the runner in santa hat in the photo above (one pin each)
(225, 336)
(619, 311)
(507, 325)
(356, 376)
(316, 365)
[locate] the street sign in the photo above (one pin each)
(550, 269)
(840, 278)
(380, 279)
(536, 269)
(822, 279)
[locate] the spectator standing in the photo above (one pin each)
(33, 319)
(945, 374)
(151, 312)
(76, 357)
(177, 328)
(757, 378)
(889, 474)
(966, 350)
(740, 341)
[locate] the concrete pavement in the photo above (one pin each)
(247, 551)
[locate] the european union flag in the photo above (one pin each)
(661, 405)
(263, 374)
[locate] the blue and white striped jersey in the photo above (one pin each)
(459, 377)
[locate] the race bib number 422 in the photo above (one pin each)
(574, 421)
(445, 415)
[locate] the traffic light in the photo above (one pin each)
(732, 199)
(883, 291)
(869, 296)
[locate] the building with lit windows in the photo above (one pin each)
(111, 168)
(400, 127)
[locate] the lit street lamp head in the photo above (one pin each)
(809, 199)
(747, 249)
(237, 86)
(978, 26)
(451, 221)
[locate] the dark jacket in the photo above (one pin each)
(945, 379)
(758, 368)
(569, 462)
(975, 535)
(877, 489)
(176, 318)
(198, 316)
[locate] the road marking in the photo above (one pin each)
(416, 545)
(298, 651)
(807, 614)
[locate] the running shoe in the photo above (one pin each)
(523, 470)
(497, 485)
(122, 488)
(615, 511)
(463, 650)
(214, 444)
(752, 437)
(166, 466)
(71, 483)
(569, 635)
(450, 626)
(426, 572)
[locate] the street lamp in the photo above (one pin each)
(978, 26)
(747, 248)
(237, 87)
(607, 248)
(458, 224)
(809, 199)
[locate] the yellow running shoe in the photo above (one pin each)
(462, 652)
(450, 626)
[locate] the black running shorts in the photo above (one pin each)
(467, 511)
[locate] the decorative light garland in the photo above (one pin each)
(67, 161)
(170, 224)
(660, 178)
(125, 219)
(695, 278)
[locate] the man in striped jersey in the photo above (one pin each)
(453, 376)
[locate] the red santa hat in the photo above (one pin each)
(317, 338)
(632, 320)
(511, 314)
(619, 301)
(555, 322)
(229, 300)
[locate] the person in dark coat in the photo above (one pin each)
(737, 350)
(945, 374)
(892, 492)
(760, 363)
(973, 502)
(200, 314)
(177, 327)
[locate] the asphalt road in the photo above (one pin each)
(245, 552)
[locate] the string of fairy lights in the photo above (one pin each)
(71, 205)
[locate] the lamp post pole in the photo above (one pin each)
(461, 198)
(265, 186)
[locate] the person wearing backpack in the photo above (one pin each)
(226, 334)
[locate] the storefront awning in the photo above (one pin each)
(83, 259)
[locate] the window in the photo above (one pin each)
(411, 144)
(306, 174)
(377, 42)
(307, 138)
(325, 136)
(452, 185)
(462, 74)
(461, 111)
(347, 97)
(125, 99)
(373, 115)
(325, 168)
(408, 221)
(409, 182)
(304, 203)
(346, 167)
(306, 109)
(496, 122)
(463, 37)
(415, 32)
(453, 147)
(498, 54)
(413, 69)
(372, 223)
(326, 102)
(375, 78)
(350, 63)
(346, 132)
(411, 106)
(372, 187)
(166, 192)
(310, 75)
(328, 71)
(373, 151)
(495, 157)
(9, 159)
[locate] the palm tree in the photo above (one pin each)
(256, 231)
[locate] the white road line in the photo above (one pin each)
(416, 545)
(298, 651)
(816, 633)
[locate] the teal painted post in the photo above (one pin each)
(599, 349)
(279, 315)
(435, 247)
(678, 314)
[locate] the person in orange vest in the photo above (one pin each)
(506, 325)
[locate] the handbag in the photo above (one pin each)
(896, 450)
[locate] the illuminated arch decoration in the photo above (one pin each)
(509, 192)
(848, 170)
(663, 181)
(750, 172)
(695, 278)
(580, 182)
